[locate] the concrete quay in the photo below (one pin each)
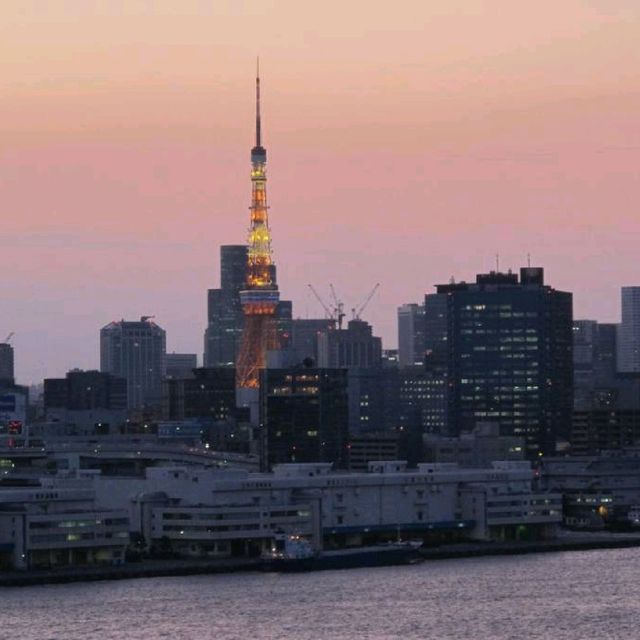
(567, 541)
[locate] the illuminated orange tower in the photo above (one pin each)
(260, 298)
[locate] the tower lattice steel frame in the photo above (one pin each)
(260, 298)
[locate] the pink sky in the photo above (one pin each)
(408, 142)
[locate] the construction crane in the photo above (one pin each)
(336, 312)
(357, 312)
(6, 340)
(321, 301)
(338, 309)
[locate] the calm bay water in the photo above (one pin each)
(559, 596)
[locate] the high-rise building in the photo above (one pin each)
(507, 348)
(135, 351)
(373, 399)
(84, 391)
(304, 336)
(7, 374)
(304, 415)
(360, 352)
(283, 324)
(629, 331)
(422, 400)
(260, 295)
(411, 344)
(353, 347)
(224, 310)
(223, 334)
(180, 365)
(209, 393)
(594, 364)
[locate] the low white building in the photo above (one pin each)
(56, 523)
(213, 512)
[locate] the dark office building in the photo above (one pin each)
(422, 400)
(594, 364)
(303, 416)
(507, 347)
(596, 430)
(85, 391)
(180, 365)
(135, 351)
(411, 345)
(606, 402)
(353, 347)
(224, 311)
(7, 374)
(373, 447)
(223, 334)
(283, 322)
(304, 336)
(373, 400)
(210, 393)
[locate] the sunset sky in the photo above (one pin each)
(408, 142)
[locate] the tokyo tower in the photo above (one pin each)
(260, 297)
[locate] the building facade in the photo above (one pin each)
(136, 352)
(50, 523)
(594, 363)
(353, 347)
(411, 340)
(303, 415)
(304, 336)
(85, 390)
(7, 374)
(210, 393)
(204, 512)
(629, 331)
(180, 365)
(225, 319)
(506, 343)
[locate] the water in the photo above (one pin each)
(561, 596)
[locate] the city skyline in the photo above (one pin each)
(404, 163)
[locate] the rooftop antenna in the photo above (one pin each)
(529, 260)
(497, 263)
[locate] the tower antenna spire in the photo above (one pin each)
(258, 123)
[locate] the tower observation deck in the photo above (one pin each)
(260, 297)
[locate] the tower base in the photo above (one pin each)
(258, 337)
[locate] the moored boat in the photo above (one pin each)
(293, 553)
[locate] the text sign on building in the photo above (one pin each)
(13, 408)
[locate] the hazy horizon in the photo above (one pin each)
(406, 144)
